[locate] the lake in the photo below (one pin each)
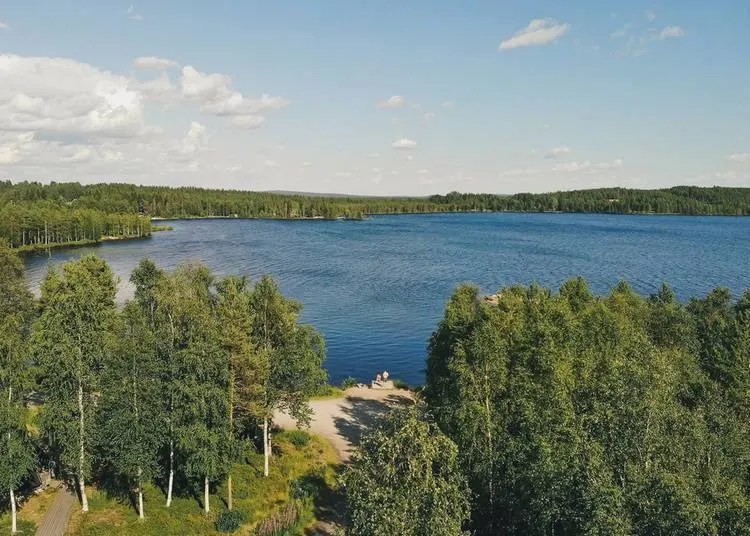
(376, 288)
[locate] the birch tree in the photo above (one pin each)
(200, 391)
(132, 430)
(73, 340)
(288, 363)
(17, 459)
(235, 321)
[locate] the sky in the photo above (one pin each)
(377, 96)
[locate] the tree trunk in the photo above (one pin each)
(13, 525)
(81, 455)
(265, 447)
(140, 495)
(171, 472)
(206, 507)
(231, 436)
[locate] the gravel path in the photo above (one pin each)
(55, 521)
(341, 420)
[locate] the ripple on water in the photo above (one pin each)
(376, 289)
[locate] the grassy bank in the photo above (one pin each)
(300, 459)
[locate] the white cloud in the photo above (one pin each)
(572, 166)
(79, 154)
(248, 121)
(11, 151)
(538, 32)
(524, 172)
(374, 155)
(4, 26)
(447, 104)
(416, 106)
(614, 164)
(619, 34)
(395, 120)
(671, 32)
(739, 157)
(195, 139)
(133, 14)
(343, 174)
(271, 163)
(152, 63)
(557, 152)
(423, 172)
(404, 143)
(650, 15)
(57, 95)
(429, 116)
(396, 101)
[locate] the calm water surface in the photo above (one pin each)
(377, 288)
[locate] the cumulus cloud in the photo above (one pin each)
(572, 166)
(57, 95)
(11, 151)
(78, 155)
(404, 143)
(557, 152)
(538, 32)
(447, 104)
(396, 101)
(739, 157)
(619, 34)
(650, 15)
(423, 171)
(248, 121)
(614, 164)
(152, 63)
(671, 32)
(4, 26)
(133, 14)
(523, 172)
(428, 116)
(195, 139)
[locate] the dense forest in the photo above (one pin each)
(569, 414)
(37, 215)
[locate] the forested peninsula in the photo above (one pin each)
(39, 216)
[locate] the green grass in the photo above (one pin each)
(255, 495)
(328, 391)
(30, 512)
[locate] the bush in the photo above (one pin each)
(348, 383)
(298, 438)
(230, 521)
(282, 523)
(400, 384)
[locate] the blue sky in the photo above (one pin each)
(377, 97)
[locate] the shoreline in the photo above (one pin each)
(37, 249)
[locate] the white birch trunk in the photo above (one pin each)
(13, 523)
(81, 455)
(140, 495)
(206, 507)
(171, 473)
(265, 447)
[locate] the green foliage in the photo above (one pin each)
(348, 383)
(404, 480)
(230, 521)
(298, 438)
(577, 414)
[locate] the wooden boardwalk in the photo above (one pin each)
(55, 521)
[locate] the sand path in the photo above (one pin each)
(341, 420)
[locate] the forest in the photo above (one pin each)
(544, 412)
(35, 215)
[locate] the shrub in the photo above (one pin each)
(281, 524)
(400, 384)
(348, 383)
(230, 521)
(298, 438)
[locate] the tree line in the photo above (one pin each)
(68, 212)
(169, 388)
(564, 413)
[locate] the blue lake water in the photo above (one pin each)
(376, 289)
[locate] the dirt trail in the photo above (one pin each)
(341, 420)
(55, 520)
